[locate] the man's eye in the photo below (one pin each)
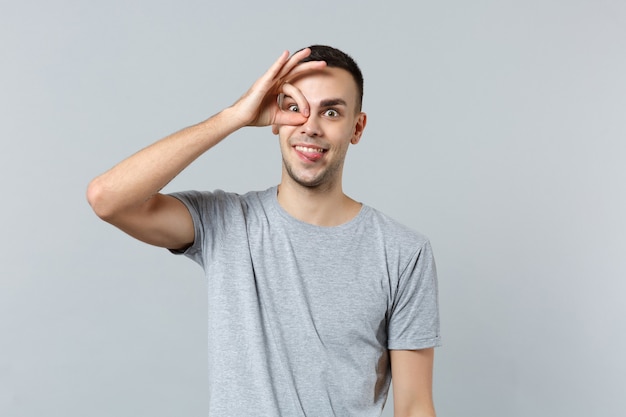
(332, 113)
(293, 107)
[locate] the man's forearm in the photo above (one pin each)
(132, 182)
(137, 178)
(427, 412)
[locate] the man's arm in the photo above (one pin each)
(412, 376)
(127, 195)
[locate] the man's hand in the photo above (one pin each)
(259, 105)
(127, 195)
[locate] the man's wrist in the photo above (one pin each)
(231, 119)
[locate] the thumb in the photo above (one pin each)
(289, 118)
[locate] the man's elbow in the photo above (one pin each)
(101, 201)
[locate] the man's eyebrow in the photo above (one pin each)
(333, 102)
(324, 103)
(330, 102)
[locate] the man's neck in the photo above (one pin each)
(320, 207)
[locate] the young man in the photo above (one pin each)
(315, 300)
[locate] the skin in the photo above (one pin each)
(412, 376)
(316, 122)
(311, 186)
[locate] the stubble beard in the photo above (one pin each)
(323, 181)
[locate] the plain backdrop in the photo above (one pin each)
(497, 128)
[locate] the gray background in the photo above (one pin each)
(497, 128)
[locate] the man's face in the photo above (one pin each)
(313, 153)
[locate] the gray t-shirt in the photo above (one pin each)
(301, 317)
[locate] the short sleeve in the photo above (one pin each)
(198, 203)
(414, 315)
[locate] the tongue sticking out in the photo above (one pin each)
(312, 154)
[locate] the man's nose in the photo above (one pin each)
(312, 126)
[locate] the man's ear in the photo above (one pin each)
(275, 129)
(358, 128)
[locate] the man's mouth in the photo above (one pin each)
(309, 149)
(311, 153)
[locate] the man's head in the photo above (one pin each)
(314, 151)
(338, 59)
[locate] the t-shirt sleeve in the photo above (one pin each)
(414, 316)
(199, 204)
(214, 216)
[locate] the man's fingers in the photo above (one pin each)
(290, 96)
(277, 66)
(285, 68)
(259, 103)
(293, 107)
(284, 64)
(293, 61)
(294, 67)
(287, 118)
(304, 68)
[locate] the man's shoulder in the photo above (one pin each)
(391, 227)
